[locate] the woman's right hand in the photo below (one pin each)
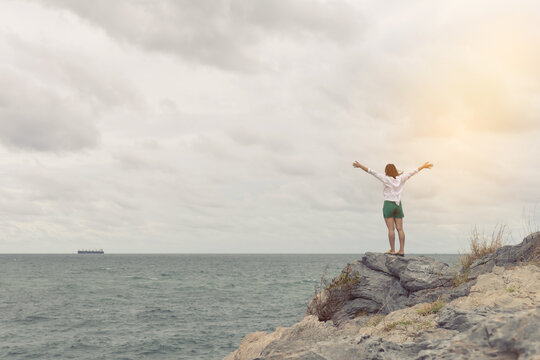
(427, 165)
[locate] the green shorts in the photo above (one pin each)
(391, 210)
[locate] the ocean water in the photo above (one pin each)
(189, 306)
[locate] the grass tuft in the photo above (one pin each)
(481, 245)
(461, 277)
(393, 325)
(376, 320)
(529, 220)
(432, 308)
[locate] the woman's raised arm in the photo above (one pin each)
(356, 164)
(427, 165)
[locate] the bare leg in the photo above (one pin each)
(401, 234)
(391, 235)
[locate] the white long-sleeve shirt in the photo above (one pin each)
(393, 187)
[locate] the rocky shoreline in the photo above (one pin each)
(387, 307)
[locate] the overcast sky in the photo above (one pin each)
(231, 126)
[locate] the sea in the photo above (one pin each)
(181, 306)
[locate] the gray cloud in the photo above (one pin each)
(226, 33)
(134, 162)
(52, 100)
(36, 117)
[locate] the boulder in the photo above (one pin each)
(386, 283)
(509, 255)
(425, 273)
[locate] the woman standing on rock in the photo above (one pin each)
(393, 183)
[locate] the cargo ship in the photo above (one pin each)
(100, 251)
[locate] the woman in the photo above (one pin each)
(393, 183)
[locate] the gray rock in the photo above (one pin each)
(376, 262)
(375, 292)
(445, 293)
(481, 266)
(462, 320)
(514, 254)
(483, 336)
(516, 334)
(477, 334)
(425, 273)
(377, 286)
(354, 308)
(508, 255)
(397, 264)
(387, 283)
(461, 290)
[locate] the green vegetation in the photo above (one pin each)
(376, 320)
(510, 290)
(461, 277)
(432, 308)
(345, 280)
(393, 325)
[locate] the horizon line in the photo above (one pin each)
(209, 253)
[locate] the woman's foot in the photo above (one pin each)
(390, 252)
(399, 254)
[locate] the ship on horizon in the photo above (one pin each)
(100, 251)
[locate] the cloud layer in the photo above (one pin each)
(225, 34)
(231, 126)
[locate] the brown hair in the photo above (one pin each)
(391, 170)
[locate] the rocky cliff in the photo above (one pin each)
(387, 307)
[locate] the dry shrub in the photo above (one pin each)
(481, 245)
(529, 220)
(331, 295)
(461, 277)
(432, 308)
